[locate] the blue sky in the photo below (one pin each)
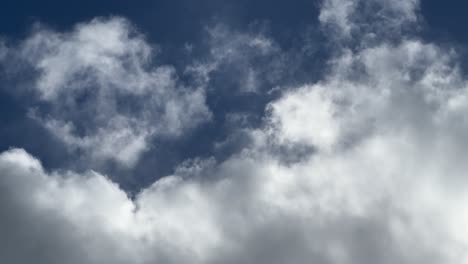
(175, 25)
(172, 26)
(329, 131)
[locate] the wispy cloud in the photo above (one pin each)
(102, 93)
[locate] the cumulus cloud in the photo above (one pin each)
(99, 91)
(386, 187)
(384, 181)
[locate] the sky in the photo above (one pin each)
(319, 131)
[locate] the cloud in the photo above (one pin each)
(99, 91)
(380, 176)
(351, 19)
(386, 187)
(250, 60)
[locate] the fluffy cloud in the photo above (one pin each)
(100, 93)
(384, 182)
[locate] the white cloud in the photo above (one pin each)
(337, 12)
(104, 95)
(252, 56)
(385, 183)
(345, 18)
(387, 186)
(307, 116)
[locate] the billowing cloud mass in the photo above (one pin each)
(384, 180)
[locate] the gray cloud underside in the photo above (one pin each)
(385, 182)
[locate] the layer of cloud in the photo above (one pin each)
(386, 183)
(382, 179)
